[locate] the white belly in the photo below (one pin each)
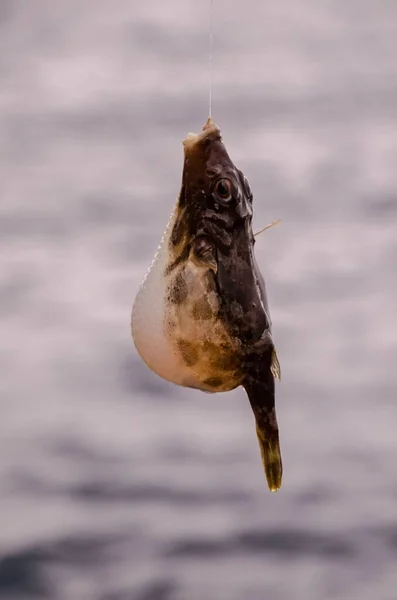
(148, 317)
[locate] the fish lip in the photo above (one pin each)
(209, 123)
(193, 139)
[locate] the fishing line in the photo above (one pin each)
(210, 68)
(211, 32)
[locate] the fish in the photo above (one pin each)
(201, 316)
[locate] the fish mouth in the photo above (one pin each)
(193, 139)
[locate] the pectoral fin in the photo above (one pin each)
(275, 365)
(265, 344)
(202, 254)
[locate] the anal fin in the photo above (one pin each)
(275, 365)
(266, 343)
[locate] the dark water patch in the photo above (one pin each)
(295, 543)
(77, 551)
(158, 494)
(158, 590)
(380, 206)
(114, 492)
(75, 450)
(286, 543)
(84, 551)
(391, 539)
(21, 573)
(387, 535)
(163, 590)
(27, 572)
(200, 548)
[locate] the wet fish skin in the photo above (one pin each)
(201, 318)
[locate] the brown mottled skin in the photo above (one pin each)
(215, 233)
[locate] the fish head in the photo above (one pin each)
(214, 228)
(212, 186)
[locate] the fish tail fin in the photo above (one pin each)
(259, 385)
(271, 455)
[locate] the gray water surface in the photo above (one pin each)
(115, 485)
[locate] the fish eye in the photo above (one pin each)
(223, 189)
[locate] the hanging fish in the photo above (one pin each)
(201, 317)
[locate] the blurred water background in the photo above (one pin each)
(115, 485)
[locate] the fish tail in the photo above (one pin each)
(259, 385)
(271, 455)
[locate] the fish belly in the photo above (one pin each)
(148, 316)
(184, 343)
